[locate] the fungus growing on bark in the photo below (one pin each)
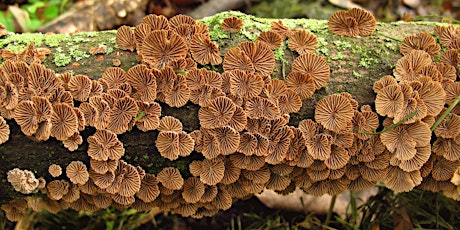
(245, 85)
(171, 178)
(64, 121)
(143, 81)
(158, 48)
(302, 83)
(4, 131)
(193, 190)
(314, 65)
(56, 189)
(217, 114)
(271, 38)
(204, 51)
(302, 42)
(353, 22)
(420, 41)
(409, 67)
(125, 38)
(334, 112)
(15, 210)
(77, 172)
(55, 170)
(23, 181)
(232, 24)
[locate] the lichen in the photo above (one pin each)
(54, 40)
(60, 58)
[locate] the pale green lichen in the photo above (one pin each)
(16, 42)
(357, 75)
(54, 40)
(322, 46)
(60, 58)
(338, 56)
(342, 44)
(76, 53)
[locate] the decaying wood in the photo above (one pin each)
(355, 64)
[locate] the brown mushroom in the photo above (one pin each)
(302, 42)
(204, 51)
(77, 173)
(125, 38)
(314, 65)
(55, 170)
(232, 24)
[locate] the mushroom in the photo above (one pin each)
(204, 51)
(302, 83)
(4, 131)
(280, 29)
(232, 24)
(158, 48)
(334, 112)
(77, 172)
(302, 42)
(23, 181)
(125, 38)
(193, 190)
(271, 38)
(353, 22)
(314, 65)
(420, 41)
(143, 81)
(56, 189)
(149, 190)
(171, 178)
(54, 170)
(64, 121)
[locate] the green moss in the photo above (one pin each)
(357, 75)
(76, 53)
(54, 40)
(60, 58)
(338, 56)
(322, 46)
(342, 44)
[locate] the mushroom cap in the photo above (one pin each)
(167, 144)
(26, 117)
(102, 180)
(279, 145)
(219, 112)
(77, 173)
(170, 123)
(193, 190)
(141, 79)
(260, 55)
(228, 139)
(73, 194)
(341, 23)
(181, 19)
(245, 85)
(56, 189)
(238, 120)
(389, 101)
(319, 147)
(157, 22)
(171, 178)
(259, 176)
(232, 24)
(122, 112)
(4, 131)
(114, 77)
(42, 81)
(236, 58)
(149, 190)
(277, 182)
(338, 158)
(43, 107)
(432, 95)
(131, 182)
(420, 41)
(447, 148)
(55, 170)
(302, 83)
(334, 112)
(315, 65)
(271, 38)
(125, 38)
(198, 77)
(64, 121)
(151, 119)
(410, 66)
(212, 171)
(248, 144)
(104, 145)
(140, 32)
(231, 173)
(204, 51)
(248, 162)
(280, 29)
(158, 48)
(259, 107)
(23, 181)
(180, 93)
(449, 127)
(302, 42)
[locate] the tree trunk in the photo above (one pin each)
(356, 62)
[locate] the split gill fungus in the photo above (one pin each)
(244, 142)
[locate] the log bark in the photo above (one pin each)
(356, 63)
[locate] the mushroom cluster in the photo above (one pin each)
(244, 141)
